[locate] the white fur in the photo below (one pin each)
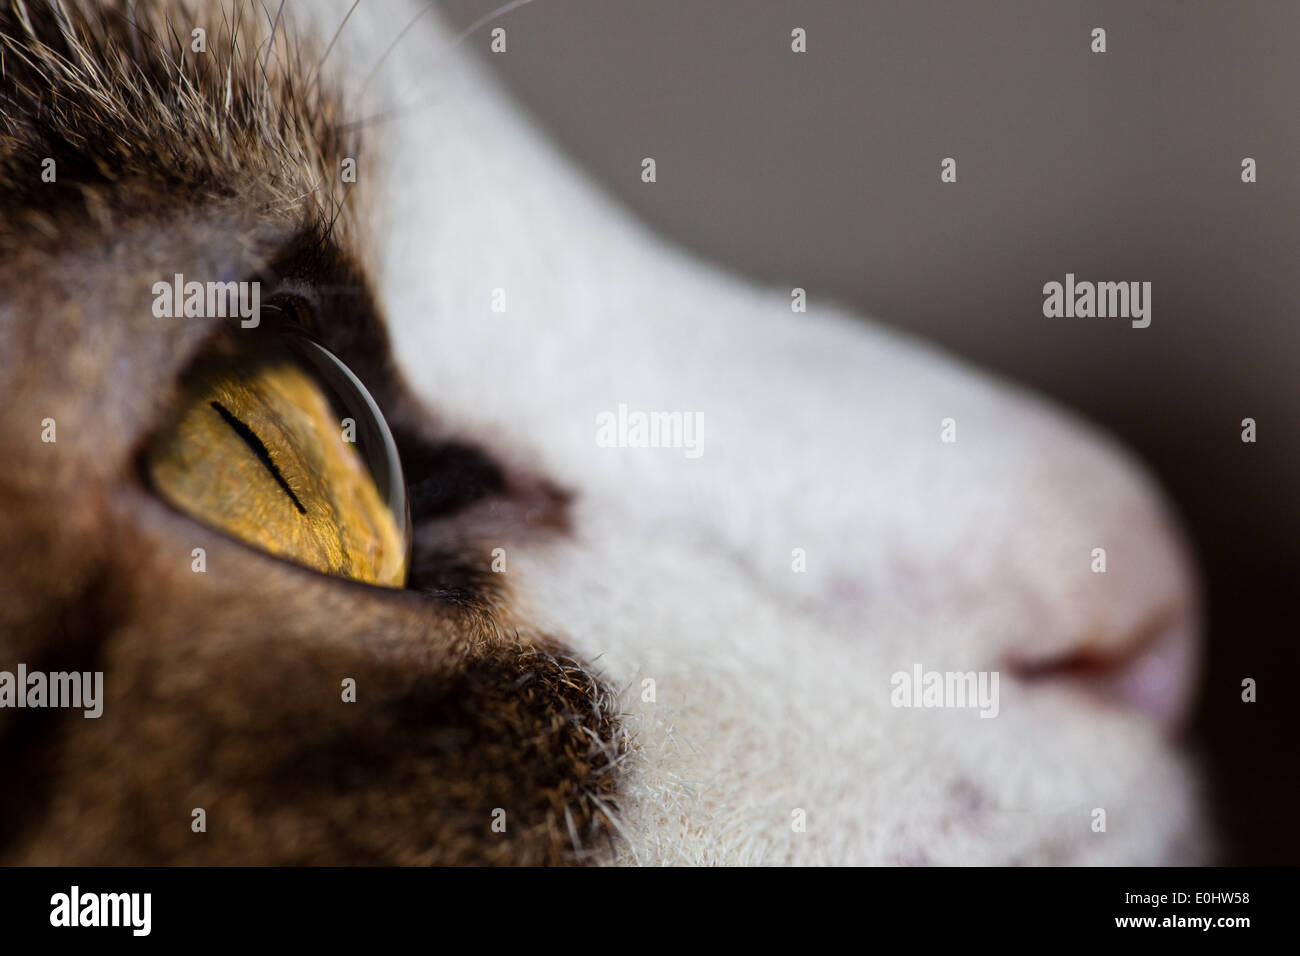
(821, 432)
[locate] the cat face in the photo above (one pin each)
(688, 577)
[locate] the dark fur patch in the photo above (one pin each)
(113, 94)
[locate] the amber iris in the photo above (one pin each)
(277, 443)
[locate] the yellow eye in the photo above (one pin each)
(276, 442)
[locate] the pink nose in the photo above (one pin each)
(1117, 620)
(1152, 671)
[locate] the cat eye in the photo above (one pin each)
(277, 443)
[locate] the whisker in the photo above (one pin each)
(270, 41)
(396, 40)
(487, 18)
(334, 39)
(469, 31)
(400, 111)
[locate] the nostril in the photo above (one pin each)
(1153, 673)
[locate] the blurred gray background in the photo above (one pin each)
(821, 170)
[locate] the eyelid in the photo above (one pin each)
(293, 311)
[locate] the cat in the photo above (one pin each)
(601, 651)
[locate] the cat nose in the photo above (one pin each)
(1126, 628)
(1150, 672)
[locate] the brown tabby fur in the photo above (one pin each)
(223, 689)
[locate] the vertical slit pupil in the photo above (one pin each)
(259, 449)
